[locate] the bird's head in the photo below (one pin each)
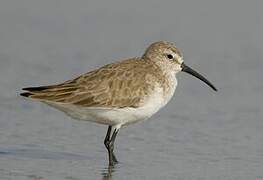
(168, 56)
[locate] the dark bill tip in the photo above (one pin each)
(189, 70)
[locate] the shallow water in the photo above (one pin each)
(200, 134)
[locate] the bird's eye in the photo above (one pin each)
(169, 56)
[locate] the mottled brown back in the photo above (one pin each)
(121, 84)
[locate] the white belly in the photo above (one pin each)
(119, 116)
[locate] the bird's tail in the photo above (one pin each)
(33, 90)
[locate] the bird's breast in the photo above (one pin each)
(159, 97)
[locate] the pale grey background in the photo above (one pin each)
(199, 135)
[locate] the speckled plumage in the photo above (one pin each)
(127, 83)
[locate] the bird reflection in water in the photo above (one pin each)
(107, 173)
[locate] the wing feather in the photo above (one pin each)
(118, 85)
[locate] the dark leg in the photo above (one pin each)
(109, 144)
(113, 137)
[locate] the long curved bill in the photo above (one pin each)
(189, 70)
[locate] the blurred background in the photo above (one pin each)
(200, 134)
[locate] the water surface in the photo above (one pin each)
(199, 135)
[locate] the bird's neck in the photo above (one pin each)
(165, 75)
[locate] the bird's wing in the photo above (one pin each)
(117, 85)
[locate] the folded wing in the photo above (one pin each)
(114, 85)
